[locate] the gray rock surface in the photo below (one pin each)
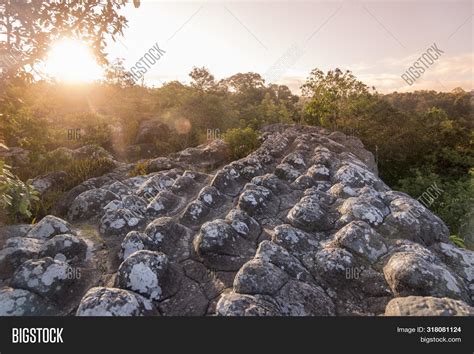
(19, 302)
(303, 226)
(427, 306)
(46, 277)
(48, 227)
(104, 302)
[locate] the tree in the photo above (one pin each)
(116, 74)
(203, 80)
(244, 82)
(27, 28)
(333, 96)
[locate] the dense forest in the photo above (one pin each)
(420, 139)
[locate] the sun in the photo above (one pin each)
(71, 60)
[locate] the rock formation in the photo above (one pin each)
(303, 226)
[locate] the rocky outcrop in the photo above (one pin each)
(151, 133)
(427, 306)
(151, 130)
(303, 226)
(48, 182)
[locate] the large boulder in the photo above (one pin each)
(204, 156)
(114, 302)
(48, 182)
(16, 251)
(146, 273)
(65, 247)
(20, 302)
(151, 131)
(411, 274)
(46, 277)
(49, 227)
(90, 204)
(427, 306)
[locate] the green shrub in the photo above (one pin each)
(92, 129)
(452, 205)
(241, 142)
(458, 241)
(140, 169)
(16, 197)
(79, 171)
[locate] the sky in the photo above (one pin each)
(283, 41)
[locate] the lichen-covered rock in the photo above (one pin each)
(66, 248)
(227, 181)
(256, 200)
(48, 227)
(297, 298)
(47, 277)
(287, 172)
(409, 274)
(370, 210)
(355, 174)
(118, 188)
(270, 252)
(210, 196)
(311, 213)
(46, 183)
(104, 302)
(169, 237)
(243, 224)
(184, 185)
(271, 182)
(332, 265)
(90, 204)
(340, 190)
(319, 172)
(20, 302)
(296, 241)
(259, 277)
(165, 202)
(153, 185)
(135, 204)
(359, 238)
(119, 222)
(147, 273)
(458, 259)
(221, 247)
(232, 304)
(410, 220)
(195, 213)
(16, 251)
(204, 156)
(133, 242)
(427, 306)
